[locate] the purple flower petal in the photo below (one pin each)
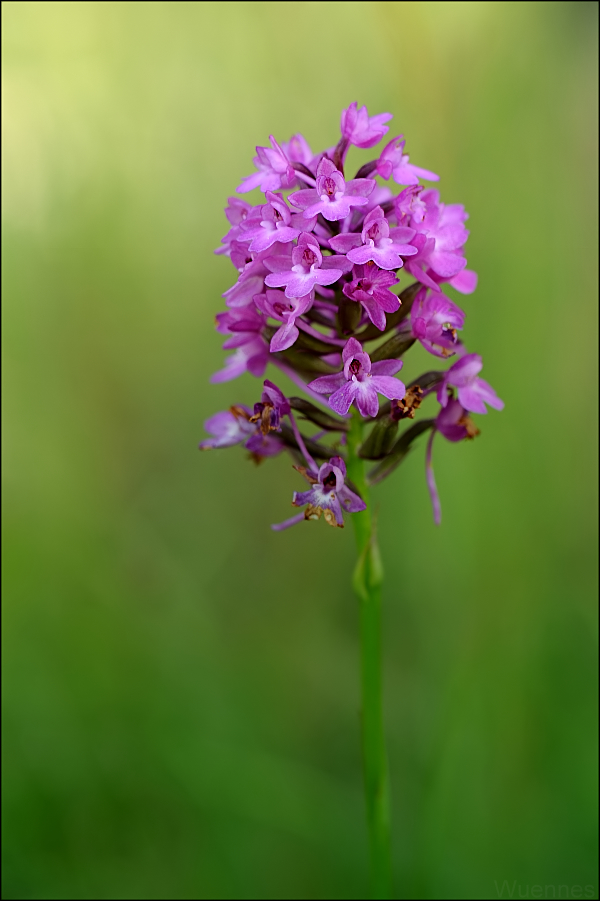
(278, 280)
(280, 526)
(304, 198)
(446, 264)
(374, 310)
(465, 281)
(327, 384)
(351, 348)
(341, 400)
(351, 501)
(433, 492)
(344, 243)
(391, 388)
(471, 399)
(366, 397)
(386, 367)
(284, 337)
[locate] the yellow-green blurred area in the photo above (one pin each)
(181, 695)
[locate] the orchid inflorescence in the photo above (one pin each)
(316, 272)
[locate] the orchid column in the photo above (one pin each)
(317, 263)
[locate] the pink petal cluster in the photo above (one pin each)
(318, 261)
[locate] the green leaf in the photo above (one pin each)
(305, 362)
(319, 417)
(393, 348)
(349, 316)
(380, 440)
(318, 451)
(399, 451)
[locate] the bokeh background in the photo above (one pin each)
(180, 683)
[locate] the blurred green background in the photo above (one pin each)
(180, 683)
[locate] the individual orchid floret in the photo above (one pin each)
(244, 325)
(393, 161)
(333, 196)
(237, 426)
(418, 264)
(244, 261)
(377, 242)
(473, 393)
(454, 423)
(435, 321)
(450, 236)
(241, 323)
(328, 496)
(274, 170)
(236, 211)
(306, 271)
(285, 309)
(436, 260)
(370, 286)
(252, 273)
(276, 224)
(241, 294)
(360, 382)
(298, 150)
(272, 406)
(362, 130)
(445, 226)
(229, 427)
(409, 208)
(251, 357)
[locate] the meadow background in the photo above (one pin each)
(180, 683)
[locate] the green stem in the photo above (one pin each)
(368, 577)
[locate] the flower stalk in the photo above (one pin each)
(367, 581)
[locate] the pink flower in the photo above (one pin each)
(328, 495)
(274, 170)
(435, 321)
(286, 310)
(306, 271)
(333, 197)
(229, 427)
(473, 392)
(360, 382)
(375, 242)
(362, 130)
(276, 224)
(394, 162)
(236, 211)
(370, 286)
